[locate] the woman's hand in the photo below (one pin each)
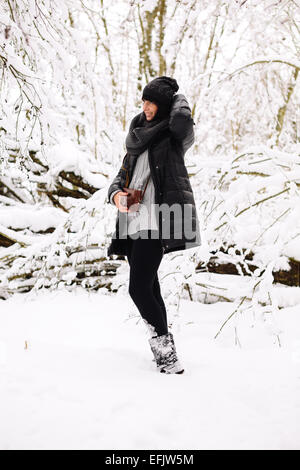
(118, 201)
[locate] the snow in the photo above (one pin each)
(75, 368)
(76, 372)
(67, 157)
(32, 217)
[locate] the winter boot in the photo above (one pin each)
(153, 349)
(164, 351)
(152, 333)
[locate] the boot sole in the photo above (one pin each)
(165, 372)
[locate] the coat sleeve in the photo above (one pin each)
(181, 123)
(111, 200)
(115, 185)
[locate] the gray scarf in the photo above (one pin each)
(142, 133)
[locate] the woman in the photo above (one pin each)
(167, 218)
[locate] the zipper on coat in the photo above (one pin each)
(127, 177)
(157, 193)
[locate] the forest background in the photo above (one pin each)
(72, 75)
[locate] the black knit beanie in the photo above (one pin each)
(161, 91)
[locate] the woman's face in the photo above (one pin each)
(150, 109)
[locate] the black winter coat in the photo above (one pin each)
(170, 178)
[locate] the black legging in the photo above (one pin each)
(144, 257)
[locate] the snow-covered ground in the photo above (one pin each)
(76, 373)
